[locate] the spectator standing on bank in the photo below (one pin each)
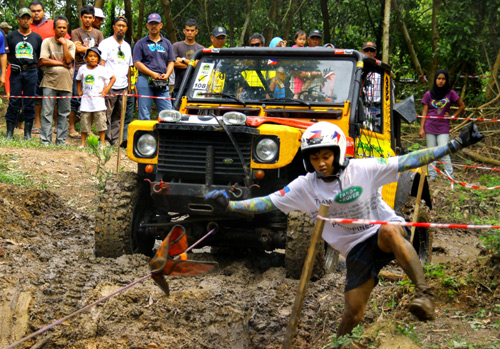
(99, 18)
(24, 46)
(93, 81)
(84, 38)
(184, 50)
(373, 90)
(45, 28)
(437, 103)
(300, 38)
(218, 37)
(314, 38)
(5, 28)
(116, 56)
(154, 59)
(57, 56)
(3, 60)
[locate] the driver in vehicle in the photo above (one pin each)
(351, 187)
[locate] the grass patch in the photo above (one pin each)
(10, 175)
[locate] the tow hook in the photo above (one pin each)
(160, 187)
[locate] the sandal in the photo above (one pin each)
(74, 135)
(35, 130)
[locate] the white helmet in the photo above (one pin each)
(323, 135)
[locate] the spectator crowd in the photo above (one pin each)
(83, 77)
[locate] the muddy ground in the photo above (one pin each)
(48, 270)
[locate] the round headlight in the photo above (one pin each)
(234, 118)
(266, 149)
(146, 145)
(168, 115)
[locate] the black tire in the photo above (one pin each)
(300, 228)
(423, 237)
(122, 205)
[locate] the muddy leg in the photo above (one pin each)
(354, 308)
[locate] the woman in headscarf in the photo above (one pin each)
(437, 103)
(277, 42)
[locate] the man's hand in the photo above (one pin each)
(219, 197)
(469, 135)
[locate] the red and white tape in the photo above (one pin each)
(463, 184)
(454, 118)
(407, 224)
(470, 166)
(463, 76)
(63, 97)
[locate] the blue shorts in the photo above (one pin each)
(365, 261)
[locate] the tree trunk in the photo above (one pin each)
(247, 22)
(288, 19)
(409, 43)
(326, 21)
(140, 21)
(272, 14)
(68, 13)
(385, 36)
(128, 15)
(492, 82)
(79, 6)
(99, 4)
(435, 41)
(168, 22)
(22, 3)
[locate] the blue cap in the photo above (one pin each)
(154, 17)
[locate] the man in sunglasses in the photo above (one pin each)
(116, 55)
(372, 90)
(257, 40)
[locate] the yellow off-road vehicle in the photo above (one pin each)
(237, 124)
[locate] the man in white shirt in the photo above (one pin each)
(117, 57)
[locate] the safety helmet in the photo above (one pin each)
(323, 135)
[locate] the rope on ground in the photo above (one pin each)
(464, 184)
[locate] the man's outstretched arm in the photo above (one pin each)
(255, 205)
(468, 136)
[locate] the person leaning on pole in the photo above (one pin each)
(24, 54)
(154, 59)
(116, 55)
(352, 189)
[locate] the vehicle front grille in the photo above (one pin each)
(183, 155)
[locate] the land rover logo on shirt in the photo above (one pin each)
(349, 195)
(89, 79)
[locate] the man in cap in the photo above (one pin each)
(24, 46)
(154, 59)
(314, 38)
(99, 17)
(116, 55)
(218, 37)
(372, 90)
(5, 28)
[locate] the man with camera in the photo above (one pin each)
(154, 59)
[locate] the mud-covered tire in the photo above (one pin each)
(300, 228)
(122, 200)
(423, 238)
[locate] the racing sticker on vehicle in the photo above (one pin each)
(201, 82)
(349, 195)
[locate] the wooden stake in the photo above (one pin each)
(122, 125)
(304, 278)
(423, 174)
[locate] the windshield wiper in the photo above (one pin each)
(226, 95)
(286, 99)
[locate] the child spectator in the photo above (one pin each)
(277, 85)
(300, 38)
(93, 81)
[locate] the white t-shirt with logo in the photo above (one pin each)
(93, 82)
(118, 59)
(361, 198)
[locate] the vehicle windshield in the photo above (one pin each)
(267, 80)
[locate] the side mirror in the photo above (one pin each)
(406, 109)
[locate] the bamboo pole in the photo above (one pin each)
(304, 278)
(122, 125)
(423, 174)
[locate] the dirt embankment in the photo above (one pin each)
(48, 269)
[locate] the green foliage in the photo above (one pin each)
(347, 339)
(103, 155)
(408, 331)
(11, 175)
